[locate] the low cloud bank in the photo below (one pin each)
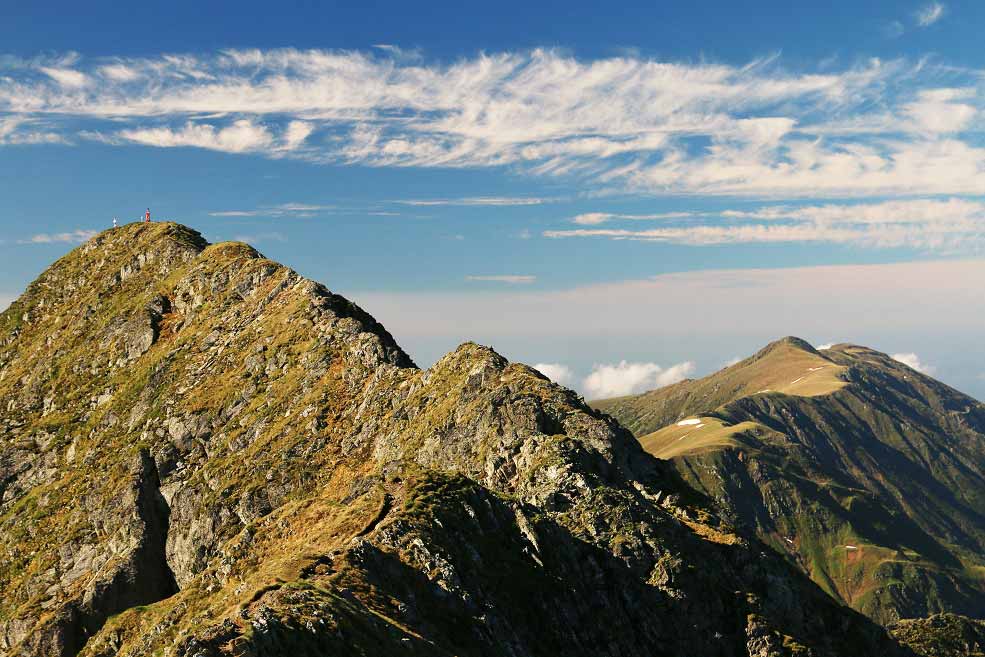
(626, 378)
(910, 359)
(617, 379)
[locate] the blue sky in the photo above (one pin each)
(577, 185)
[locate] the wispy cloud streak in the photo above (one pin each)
(494, 201)
(954, 224)
(930, 14)
(282, 210)
(72, 237)
(512, 279)
(638, 124)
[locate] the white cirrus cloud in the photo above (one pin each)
(27, 131)
(240, 137)
(930, 14)
(870, 129)
(626, 378)
(886, 212)
(512, 279)
(556, 372)
(295, 134)
(941, 111)
(953, 224)
(66, 77)
(913, 361)
(72, 237)
(9, 125)
(595, 218)
(282, 210)
(494, 201)
(303, 207)
(712, 235)
(237, 213)
(119, 73)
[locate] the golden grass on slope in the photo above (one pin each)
(789, 370)
(712, 534)
(788, 366)
(692, 436)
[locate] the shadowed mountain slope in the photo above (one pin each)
(203, 453)
(871, 478)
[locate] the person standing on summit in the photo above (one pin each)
(147, 216)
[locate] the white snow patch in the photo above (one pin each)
(689, 422)
(850, 547)
(796, 380)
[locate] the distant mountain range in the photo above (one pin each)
(204, 454)
(867, 474)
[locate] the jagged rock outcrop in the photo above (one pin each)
(868, 475)
(203, 453)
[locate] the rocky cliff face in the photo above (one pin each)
(203, 453)
(867, 474)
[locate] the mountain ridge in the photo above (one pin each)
(788, 365)
(204, 452)
(890, 458)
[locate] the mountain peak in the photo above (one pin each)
(167, 234)
(842, 451)
(788, 366)
(128, 259)
(788, 342)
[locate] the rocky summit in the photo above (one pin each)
(867, 474)
(202, 453)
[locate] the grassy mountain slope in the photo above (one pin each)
(203, 453)
(789, 366)
(872, 481)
